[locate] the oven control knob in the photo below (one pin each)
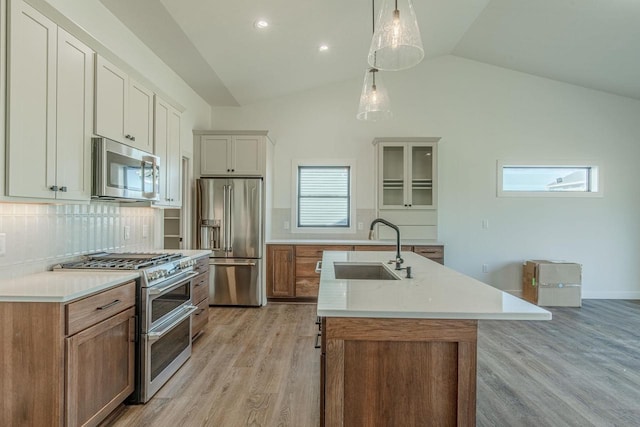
(153, 275)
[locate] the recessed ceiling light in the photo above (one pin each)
(261, 24)
(323, 48)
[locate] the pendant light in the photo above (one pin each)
(374, 100)
(396, 44)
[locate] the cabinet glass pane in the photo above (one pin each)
(393, 176)
(421, 176)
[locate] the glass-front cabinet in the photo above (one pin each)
(407, 173)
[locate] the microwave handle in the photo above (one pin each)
(154, 167)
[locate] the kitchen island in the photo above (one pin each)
(403, 351)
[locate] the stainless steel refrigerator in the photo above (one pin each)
(229, 217)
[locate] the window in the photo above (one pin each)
(323, 196)
(547, 179)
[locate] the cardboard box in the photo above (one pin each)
(552, 283)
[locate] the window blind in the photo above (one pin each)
(324, 196)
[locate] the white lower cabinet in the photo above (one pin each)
(50, 109)
(167, 146)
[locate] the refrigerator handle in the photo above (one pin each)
(224, 218)
(230, 219)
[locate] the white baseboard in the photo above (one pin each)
(593, 295)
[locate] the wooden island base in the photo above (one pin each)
(398, 372)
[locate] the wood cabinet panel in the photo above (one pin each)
(306, 267)
(392, 248)
(200, 318)
(32, 360)
(316, 250)
(100, 369)
(200, 287)
(202, 265)
(307, 287)
(96, 308)
(280, 271)
(370, 366)
(435, 253)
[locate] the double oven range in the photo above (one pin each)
(163, 310)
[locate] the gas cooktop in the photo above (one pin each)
(121, 260)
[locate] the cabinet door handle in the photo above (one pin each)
(111, 304)
(233, 170)
(63, 189)
(133, 138)
(53, 188)
(128, 136)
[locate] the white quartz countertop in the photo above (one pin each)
(405, 242)
(65, 286)
(434, 292)
(56, 286)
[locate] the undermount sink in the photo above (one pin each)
(362, 271)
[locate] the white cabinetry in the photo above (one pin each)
(232, 154)
(167, 147)
(50, 103)
(407, 185)
(124, 107)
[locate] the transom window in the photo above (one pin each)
(324, 197)
(558, 180)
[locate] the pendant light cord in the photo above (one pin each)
(373, 31)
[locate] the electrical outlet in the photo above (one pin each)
(127, 232)
(485, 268)
(145, 231)
(3, 244)
(360, 226)
(285, 225)
(485, 224)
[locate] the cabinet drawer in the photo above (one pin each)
(200, 317)
(391, 248)
(96, 308)
(200, 287)
(202, 265)
(306, 267)
(307, 287)
(429, 251)
(316, 251)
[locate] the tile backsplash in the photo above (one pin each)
(38, 236)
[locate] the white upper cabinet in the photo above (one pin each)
(407, 175)
(241, 155)
(124, 107)
(167, 146)
(50, 91)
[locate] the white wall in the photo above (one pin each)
(483, 113)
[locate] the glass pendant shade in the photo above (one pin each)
(396, 43)
(374, 101)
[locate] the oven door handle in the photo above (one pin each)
(162, 289)
(156, 335)
(234, 264)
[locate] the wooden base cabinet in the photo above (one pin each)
(200, 318)
(291, 269)
(398, 372)
(67, 364)
(280, 271)
(99, 369)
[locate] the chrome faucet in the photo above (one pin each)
(398, 259)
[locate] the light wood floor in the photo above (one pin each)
(258, 367)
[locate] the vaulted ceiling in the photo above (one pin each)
(215, 48)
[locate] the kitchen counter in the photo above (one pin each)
(404, 242)
(378, 336)
(434, 292)
(54, 286)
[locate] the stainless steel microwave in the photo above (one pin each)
(121, 172)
